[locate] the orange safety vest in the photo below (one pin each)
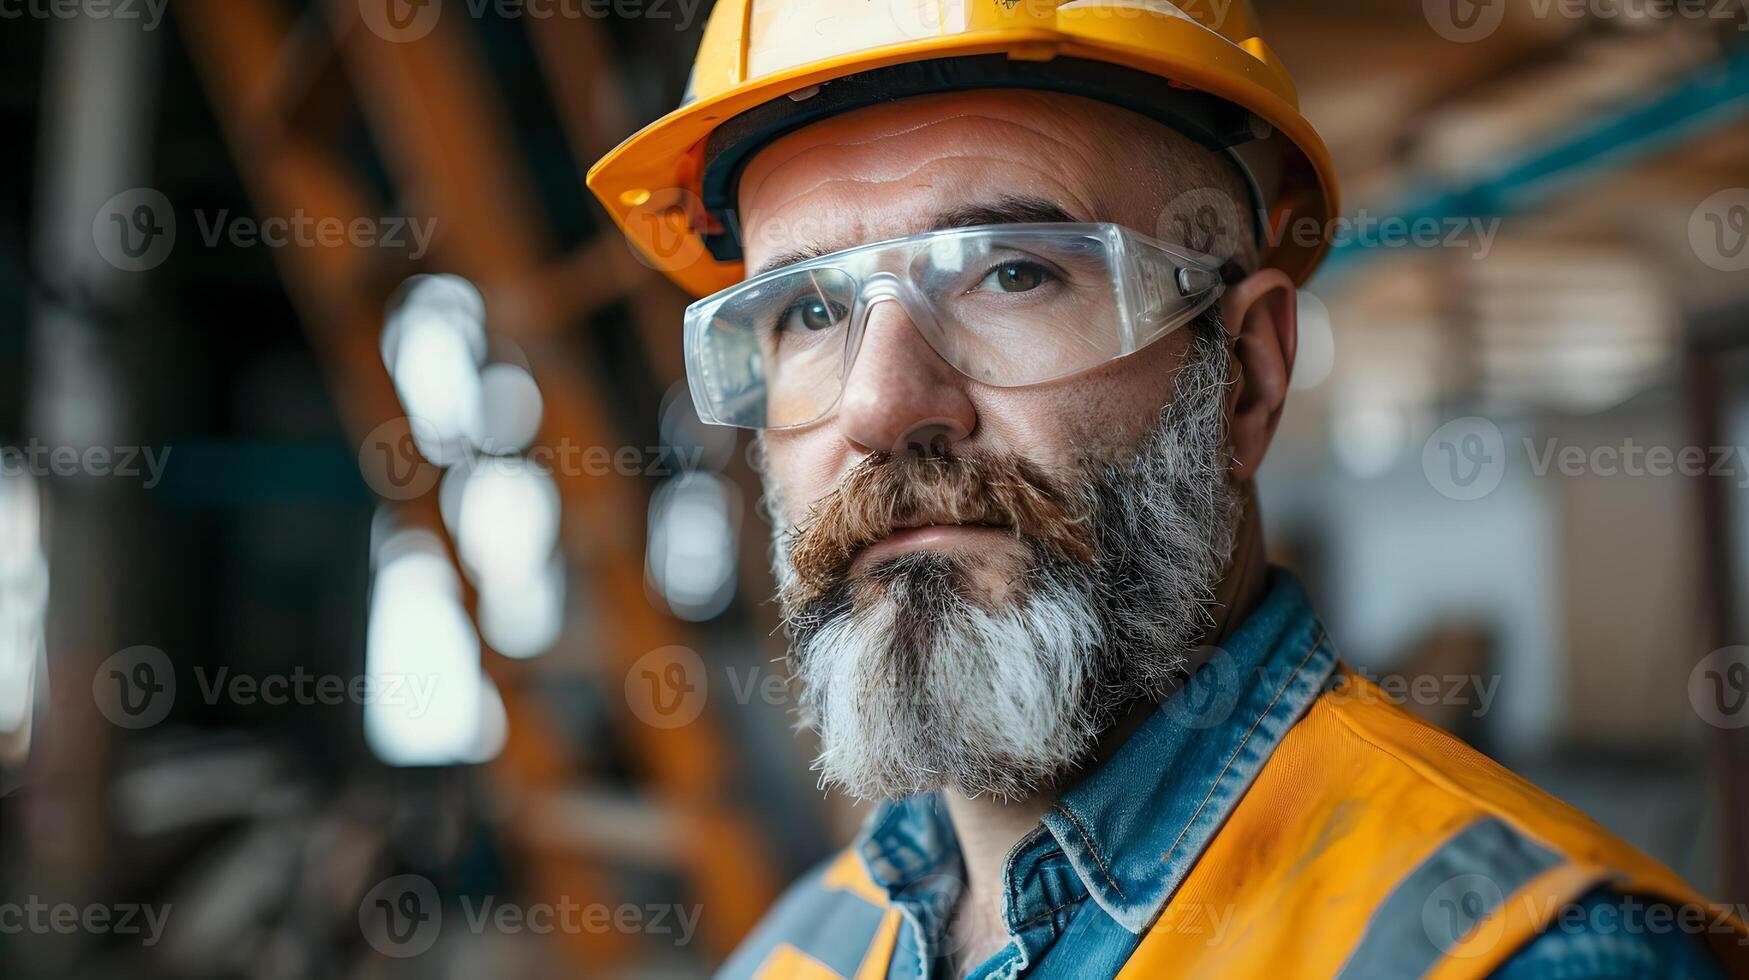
(1370, 844)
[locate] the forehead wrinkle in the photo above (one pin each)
(833, 180)
(906, 130)
(844, 196)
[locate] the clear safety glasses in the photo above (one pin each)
(1007, 305)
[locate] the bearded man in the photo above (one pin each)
(1012, 386)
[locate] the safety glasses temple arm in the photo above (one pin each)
(1168, 286)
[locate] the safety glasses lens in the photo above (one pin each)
(772, 355)
(1021, 308)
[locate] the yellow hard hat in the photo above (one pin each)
(767, 67)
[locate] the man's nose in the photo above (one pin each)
(901, 396)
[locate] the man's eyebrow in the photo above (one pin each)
(791, 257)
(1009, 210)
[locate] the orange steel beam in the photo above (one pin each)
(435, 111)
(339, 293)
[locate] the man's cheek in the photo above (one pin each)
(801, 467)
(1056, 431)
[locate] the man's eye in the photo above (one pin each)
(812, 313)
(1014, 277)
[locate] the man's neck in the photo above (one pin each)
(989, 828)
(1242, 588)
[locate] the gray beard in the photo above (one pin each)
(911, 685)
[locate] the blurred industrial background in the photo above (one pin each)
(291, 686)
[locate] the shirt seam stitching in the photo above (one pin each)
(1091, 848)
(1317, 641)
(1048, 913)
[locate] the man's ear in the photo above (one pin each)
(1262, 318)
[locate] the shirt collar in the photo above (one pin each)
(1133, 827)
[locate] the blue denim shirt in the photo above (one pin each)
(1083, 887)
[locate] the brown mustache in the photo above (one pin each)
(889, 492)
